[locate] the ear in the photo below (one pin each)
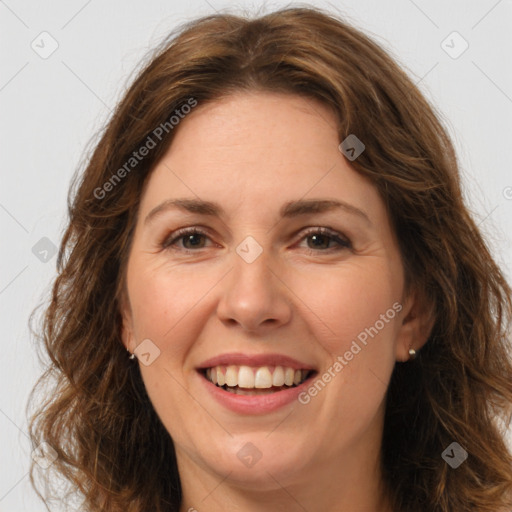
(417, 321)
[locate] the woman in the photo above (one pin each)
(272, 225)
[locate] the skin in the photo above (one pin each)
(251, 153)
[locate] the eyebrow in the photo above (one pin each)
(288, 210)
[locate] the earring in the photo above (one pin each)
(412, 353)
(132, 356)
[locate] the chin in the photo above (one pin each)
(258, 459)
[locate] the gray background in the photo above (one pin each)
(51, 107)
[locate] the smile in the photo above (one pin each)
(254, 383)
(247, 380)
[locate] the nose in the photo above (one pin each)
(254, 296)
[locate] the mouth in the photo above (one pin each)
(255, 380)
(254, 384)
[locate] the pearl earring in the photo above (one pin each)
(412, 353)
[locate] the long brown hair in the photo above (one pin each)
(97, 416)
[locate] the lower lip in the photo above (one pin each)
(256, 404)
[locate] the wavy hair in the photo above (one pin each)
(111, 447)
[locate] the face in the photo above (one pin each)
(256, 279)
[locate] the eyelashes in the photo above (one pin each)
(170, 242)
(319, 236)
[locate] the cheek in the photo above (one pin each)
(350, 304)
(165, 304)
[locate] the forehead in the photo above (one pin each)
(260, 150)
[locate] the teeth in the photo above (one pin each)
(246, 377)
(232, 376)
(262, 378)
(249, 392)
(289, 375)
(278, 377)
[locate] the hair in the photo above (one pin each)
(110, 444)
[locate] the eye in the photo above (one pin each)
(192, 239)
(191, 236)
(323, 237)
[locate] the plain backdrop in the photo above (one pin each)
(51, 106)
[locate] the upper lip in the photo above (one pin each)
(257, 360)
